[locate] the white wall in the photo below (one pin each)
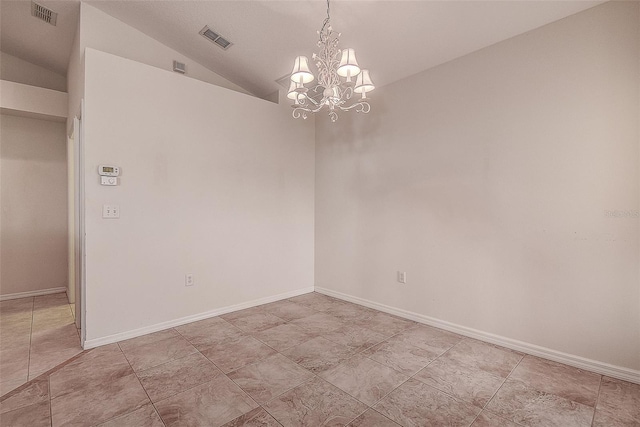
(34, 205)
(214, 183)
(17, 70)
(101, 31)
(33, 101)
(488, 179)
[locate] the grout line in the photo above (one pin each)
(595, 406)
(498, 389)
(143, 389)
(50, 409)
(30, 339)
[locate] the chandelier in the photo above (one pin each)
(334, 88)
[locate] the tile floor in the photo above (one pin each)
(316, 361)
(36, 334)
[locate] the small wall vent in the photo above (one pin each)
(216, 38)
(44, 14)
(179, 67)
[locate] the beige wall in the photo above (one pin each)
(214, 183)
(101, 31)
(17, 70)
(34, 205)
(488, 180)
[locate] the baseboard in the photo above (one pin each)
(613, 371)
(96, 342)
(32, 293)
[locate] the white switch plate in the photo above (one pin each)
(188, 279)
(110, 211)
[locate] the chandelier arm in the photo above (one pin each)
(360, 107)
(301, 111)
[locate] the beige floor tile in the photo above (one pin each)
(401, 356)
(14, 306)
(210, 404)
(255, 321)
(288, 310)
(360, 355)
(561, 380)
(7, 386)
(143, 417)
(372, 418)
(364, 379)
(231, 355)
(385, 324)
(98, 366)
(177, 376)
(317, 301)
(355, 337)
(314, 403)
(497, 360)
(36, 415)
(349, 312)
(417, 404)
(319, 323)
(284, 336)
(530, 407)
(428, 338)
(94, 405)
(487, 419)
(147, 339)
(210, 331)
(14, 363)
(51, 300)
(466, 382)
(36, 392)
(255, 418)
(147, 353)
(318, 354)
(618, 403)
(51, 347)
(270, 377)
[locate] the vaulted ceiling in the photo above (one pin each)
(394, 39)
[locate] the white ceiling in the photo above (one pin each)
(394, 39)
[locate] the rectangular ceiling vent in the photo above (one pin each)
(211, 35)
(44, 14)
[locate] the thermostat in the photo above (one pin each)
(106, 170)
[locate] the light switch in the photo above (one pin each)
(110, 211)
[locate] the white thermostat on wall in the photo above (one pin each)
(107, 170)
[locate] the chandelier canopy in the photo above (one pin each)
(334, 87)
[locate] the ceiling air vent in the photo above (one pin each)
(44, 14)
(211, 35)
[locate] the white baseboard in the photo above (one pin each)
(613, 371)
(32, 293)
(96, 342)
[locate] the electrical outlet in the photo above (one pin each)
(188, 279)
(402, 277)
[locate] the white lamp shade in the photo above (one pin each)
(301, 72)
(348, 64)
(363, 83)
(296, 91)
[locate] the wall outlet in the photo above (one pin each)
(111, 211)
(188, 279)
(402, 277)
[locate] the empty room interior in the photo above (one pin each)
(320, 213)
